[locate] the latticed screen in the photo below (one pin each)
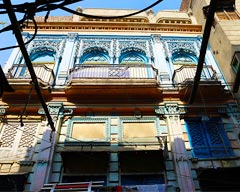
(24, 135)
(208, 138)
(18, 141)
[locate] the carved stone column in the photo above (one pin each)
(47, 147)
(172, 114)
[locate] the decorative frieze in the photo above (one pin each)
(170, 109)
(2, 110)
(105, 44)
(174, 45)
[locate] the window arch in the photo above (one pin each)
(183, 57)
(95, 56)
(132, 56)
(43, 56)
(40, 57)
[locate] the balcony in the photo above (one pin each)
(119, 80)
(186, 74)
(211, 84)
(19, 74)
(114, 74)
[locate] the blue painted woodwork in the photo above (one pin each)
(208, 138)
(133, 56)
(184, 57)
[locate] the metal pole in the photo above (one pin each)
(206, 34)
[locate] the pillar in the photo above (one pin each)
(180, 158)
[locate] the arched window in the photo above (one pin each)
(42, 57)
(133, 57)
(94, 58)
(183, 58)
(95, 55)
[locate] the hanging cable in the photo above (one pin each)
(29, 41)
(111, 17)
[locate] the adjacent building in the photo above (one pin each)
(118, 92)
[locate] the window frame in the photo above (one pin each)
(157, 130)
(235, 59)
(69, 140)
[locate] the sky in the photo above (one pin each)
(8, 38)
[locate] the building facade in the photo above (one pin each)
(224, 38)
(118, 91)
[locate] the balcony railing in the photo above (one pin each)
(113, 71)
(187, 72)
(44, 74)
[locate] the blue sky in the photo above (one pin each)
(8, 39)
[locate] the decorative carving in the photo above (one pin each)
(127, 44)
(9, 135)
(173, 45)
(2, 111)
(234, 110)
(53, 44)
(27, 138)
(72, 36)
(105, 44)
(115, 51)
(44, 44)
(56, 109)
(170, 109)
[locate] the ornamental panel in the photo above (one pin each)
(94, 130)
(9, 135)
(28, 136)
(138, 129)
(187, 45)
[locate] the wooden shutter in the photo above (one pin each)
(197, 138)
(217, 139)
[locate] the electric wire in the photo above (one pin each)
(110, 17)
(25, 43)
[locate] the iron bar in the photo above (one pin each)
(206, 34)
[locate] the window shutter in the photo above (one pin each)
(197, 139)
(217, 139)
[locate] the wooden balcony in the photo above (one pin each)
(211, 86)
(113, 80)
(20, 75)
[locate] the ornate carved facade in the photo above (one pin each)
(118, 92)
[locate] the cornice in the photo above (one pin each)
(114, 27)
